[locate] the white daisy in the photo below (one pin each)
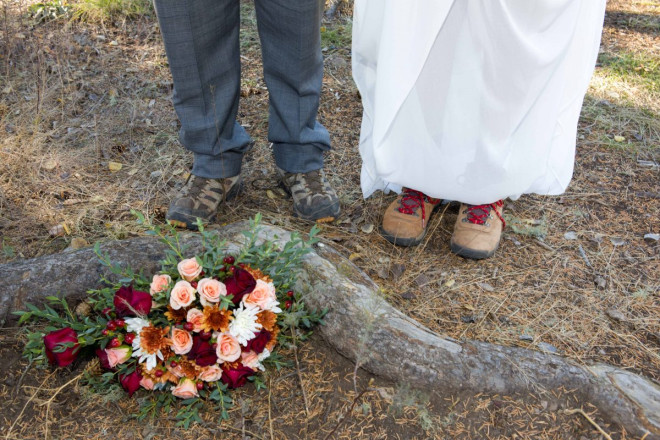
(245, 326)
(263, 355)
(150, 358)
(135, 325)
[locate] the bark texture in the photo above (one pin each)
(363, 327)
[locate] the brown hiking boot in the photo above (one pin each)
(407, 217)
(313, 197)
(200, 198)
(478, 230)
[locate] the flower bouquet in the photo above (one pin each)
(204, 324)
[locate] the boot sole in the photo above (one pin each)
(413, 241)
(182, 220)
(471, 253)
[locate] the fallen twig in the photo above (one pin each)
(302, 386)
(349, 412)
(590, 420)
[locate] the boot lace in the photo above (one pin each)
(412, 200)
(479, 214)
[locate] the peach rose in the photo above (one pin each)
(182, 341)
(175, 371)
(210, 291)
(263, 295)
(211, 373)
(196, 318)
(228, 349)
(118, 355)
(251, 360)
(189, 269)
(182, 295)
(186, 389)
(147, 383)
(159, 283)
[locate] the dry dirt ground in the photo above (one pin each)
(88, 132)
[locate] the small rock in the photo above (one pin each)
(49, 164)
(156, 174)
(570, 235)
(57, 231)
(367, 228)
(114, 43)
(616, 315)
(397, 270)
(544, 346)
(408, 295)
(422, 280)
(383, 273)
(600, 282)
(336, 62)
(487, 287)
(468, 319)
(618, 241)
(639, 137)
(384, 260)
(526, 338)
(650, 238)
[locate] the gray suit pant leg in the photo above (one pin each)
(290, 36)
(202, 45)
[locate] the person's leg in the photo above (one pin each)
(293, 70)
(202, 45)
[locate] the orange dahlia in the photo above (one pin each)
(273, 339)
(216, 319)
(258, 275)
(267, 319)
(176, 315)
(152, 339)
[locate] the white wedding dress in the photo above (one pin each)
(472, 100)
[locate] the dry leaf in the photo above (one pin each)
(114, 166)
(450, 283)
(468, 306)
(78, 243)
(270, 194)
(619, 138)
(69, 202)
(354, 256)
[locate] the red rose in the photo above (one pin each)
(258, 343)
(56, 352)
(130, 382)
(202, 352)
(129, 302)
(236, 377)
(103, 359)
(240, 284)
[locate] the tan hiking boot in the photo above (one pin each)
(478, 230)
(313, 197)
(407, 217)
(200, 198)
